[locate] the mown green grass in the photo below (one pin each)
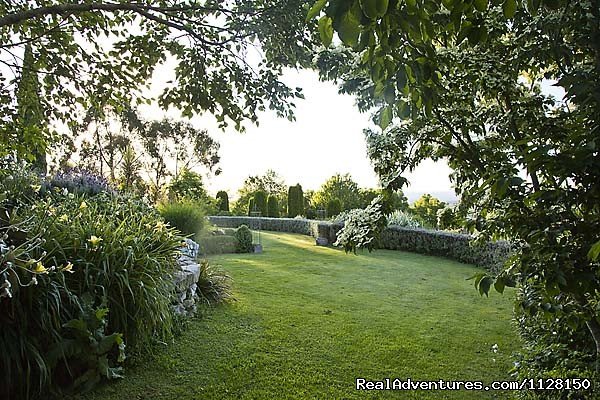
(309, 320)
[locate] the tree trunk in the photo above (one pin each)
(594, 328)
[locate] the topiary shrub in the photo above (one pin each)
(334, 207)
(260, 200)
(186, 216)
(244, 240)
(272, 207)
(295, 201)
(222, 201)
(251, 206)
(224, 244)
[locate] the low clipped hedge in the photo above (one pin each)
(446, 244)
(223, 244)
(438, 243)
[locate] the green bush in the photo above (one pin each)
(260, 200)
(404, 219)
(218, 244)
(98, 272)
(222, 201)
(244, 240)
(272, 207)
(334, 207)
(186, 216)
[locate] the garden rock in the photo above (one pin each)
(186, 279)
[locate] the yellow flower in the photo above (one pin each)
(160, 226)
(83, 205)
(68, 268)
(94, 240)
(36, 188)
(40, 269)
(63, 218)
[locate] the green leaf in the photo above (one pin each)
(349, 28)
(386, 117)
(499, 285)
(326, 30)
(594, 252)
(485, 284)
(481, 5)
(509, 8)
(315, 9)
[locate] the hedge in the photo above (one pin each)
(438, 243)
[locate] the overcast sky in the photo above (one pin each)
(326, 138)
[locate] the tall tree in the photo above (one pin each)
(270, 182)
(340, 187)
(31, 129)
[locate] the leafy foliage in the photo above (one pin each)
(457, 80)
(214, 285)
(272, 207)
(340, 187)
(260, 202)
(187, 185)
(244, 240)
(186, 216)
(222, 201)
(270, 182)
(295, 201)
(404, 219)
(426, 208)
(361, 228)
(79, 66)
(334, 207)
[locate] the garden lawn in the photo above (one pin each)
(308, 320)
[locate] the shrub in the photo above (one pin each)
(334, 207)
(214, 285)
(404, 219)
(222, 201)
(361, 228)
(295, 201)
(244, 240)
(80, 181)
(186, 216)
(260, 200)
(102, 266)
(272, 207)
(187, 185)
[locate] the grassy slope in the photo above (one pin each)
(309, 319)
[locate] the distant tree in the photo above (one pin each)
(270, 182)
(260, 200)
(340, 187)
(334, 207)
(272, 207)
(449, 218)
(187, 185)
(395, 200)
(426, 208)
(130, 179)
(222, 201)
(251, 206)
(295, 201)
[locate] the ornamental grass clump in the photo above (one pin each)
(186, 216)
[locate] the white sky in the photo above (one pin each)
(326, 138)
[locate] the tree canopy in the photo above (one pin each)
(228, 56)
(465, 81)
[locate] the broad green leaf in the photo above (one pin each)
(594, 252)
(386, 117)
(369, 8)
(349, 28)
(484, 285)
(326, 30)
(481, 5)
(315, 9)
(499, 285)
(509, 8)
